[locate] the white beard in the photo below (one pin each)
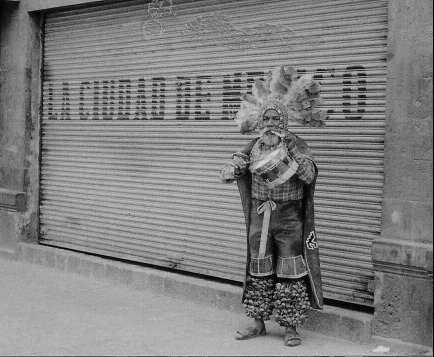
(269, 138)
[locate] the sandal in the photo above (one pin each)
(250, 332)
(292, 339)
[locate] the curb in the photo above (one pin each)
(345, 324)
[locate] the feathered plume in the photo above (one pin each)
(247, 116)
(298, 100)
(281, 80)
(260, 91)
(303, 99)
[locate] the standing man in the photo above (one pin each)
(276, 176)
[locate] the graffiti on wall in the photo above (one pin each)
(158, 11)
(201, 97)
(220, 30)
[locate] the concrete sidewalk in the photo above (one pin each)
(48, 312)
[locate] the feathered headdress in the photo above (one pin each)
(296, 100)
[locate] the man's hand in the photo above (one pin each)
(227, 174)
(239, 164)
(290, 140)
(234, 169)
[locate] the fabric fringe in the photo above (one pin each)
(291, 301)
(258, 298)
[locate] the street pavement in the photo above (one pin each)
(48, 312)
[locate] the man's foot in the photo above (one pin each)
(250, 332)
(291, 337)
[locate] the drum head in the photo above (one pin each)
(268, 161)
(275, 168)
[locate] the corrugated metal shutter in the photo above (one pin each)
(137, 102)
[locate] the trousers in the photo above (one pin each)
(284, 245)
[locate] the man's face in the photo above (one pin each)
(270, 124)
(271, 119)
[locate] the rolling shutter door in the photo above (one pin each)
(137, 106)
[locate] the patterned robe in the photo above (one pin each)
(310, 243)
